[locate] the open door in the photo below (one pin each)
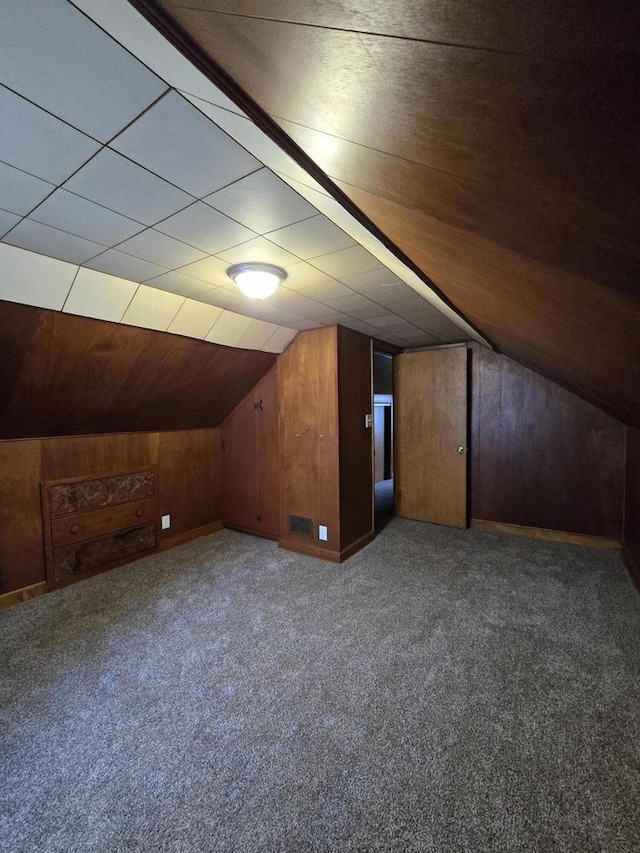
(431, 435)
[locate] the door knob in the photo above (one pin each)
(460, 450)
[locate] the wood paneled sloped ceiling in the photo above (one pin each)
(496, 144)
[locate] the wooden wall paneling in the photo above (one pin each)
(88, 455)
(21, 542)
(268, 450)
(309, 439)
(543, 457)
(355, 400)
(631, 539)
(189, 487)
(239, 467)
(70, 375)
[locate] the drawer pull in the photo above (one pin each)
(139, 512)
(75, 528)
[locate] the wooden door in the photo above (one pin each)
(239, 463)
(431, 435)
(268, 435)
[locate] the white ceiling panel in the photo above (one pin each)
(117, 183)
(38, 143)
(303, 325)
(176, 282)
(205, 228)
(174, 140)
(77, 215)
(368, 311)
(223, 298)
(50, 241)
(258, 249)
(366, 282)
(302, 275)
(279, 340)
(160, 249)
(329, 289)
(152, 309)
(257, 335)
(228, 329)
(54, 56)
(21, 192)
(262, 202)
(194, 319)
(7, 221)
(211, 270)
(125, 266)
(311, 237)
(37, 279)
(388, 294)
(352, 303)
(346, 262)
(103, 297)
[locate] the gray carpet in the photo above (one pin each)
(441, 691)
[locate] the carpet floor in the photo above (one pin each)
(442, 691)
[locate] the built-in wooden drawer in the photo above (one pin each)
(117, 547)
(87, 525)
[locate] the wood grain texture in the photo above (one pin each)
(69, 375)
(19, 596)
(495, 145)
(430, 424)
(542, 457)
(21, 537)
(547, 535)
(631, 536)
(240, 467)
(310, 479)
(188, 486)
(355, 400)
(268, 450)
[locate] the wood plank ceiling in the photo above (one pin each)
(496, 144)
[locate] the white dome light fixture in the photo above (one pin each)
(257, 281)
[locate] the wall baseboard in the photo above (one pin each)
(309, 550)
(189, 535)
(632, 566)
(355, 546)
(546, 535)
(18, 596)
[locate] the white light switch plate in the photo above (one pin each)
(166, 522)
(368, 421)
(322, 532)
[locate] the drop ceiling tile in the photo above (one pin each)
(257, 335)
(50, 241)
(385, 321)
(152, 309)
(205, 228)
(136, 34)
(56, 57)
(311, 237)
(279, 340)
(258, 249)
(368, 312)
(413, 309)
(452, 336)
(329, 317)
(329, 289)
(153, 246)
(228, 329)
(221, 297)
(262, 202)
(212, 270)
(346, 262)
(291, 301)
(38, 143)
(34, 279)
(303, 325)
(174, 140)
(95, 294)
(351, 303)
(7, 221)
(21, 192)
(125, 266)
(367, 282)
(177, 282)
(117, 183)
(390, 294)
(260, 309)
(84, 218)
(302, 275)
(194, 319)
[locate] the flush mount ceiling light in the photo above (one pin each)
(257, 281)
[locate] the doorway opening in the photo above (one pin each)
(383, 438)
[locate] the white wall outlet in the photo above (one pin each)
(322, 532)
(166, 522)
(368, 421)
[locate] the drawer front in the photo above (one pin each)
(97, 553)
(88, 525)
(67, 498)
